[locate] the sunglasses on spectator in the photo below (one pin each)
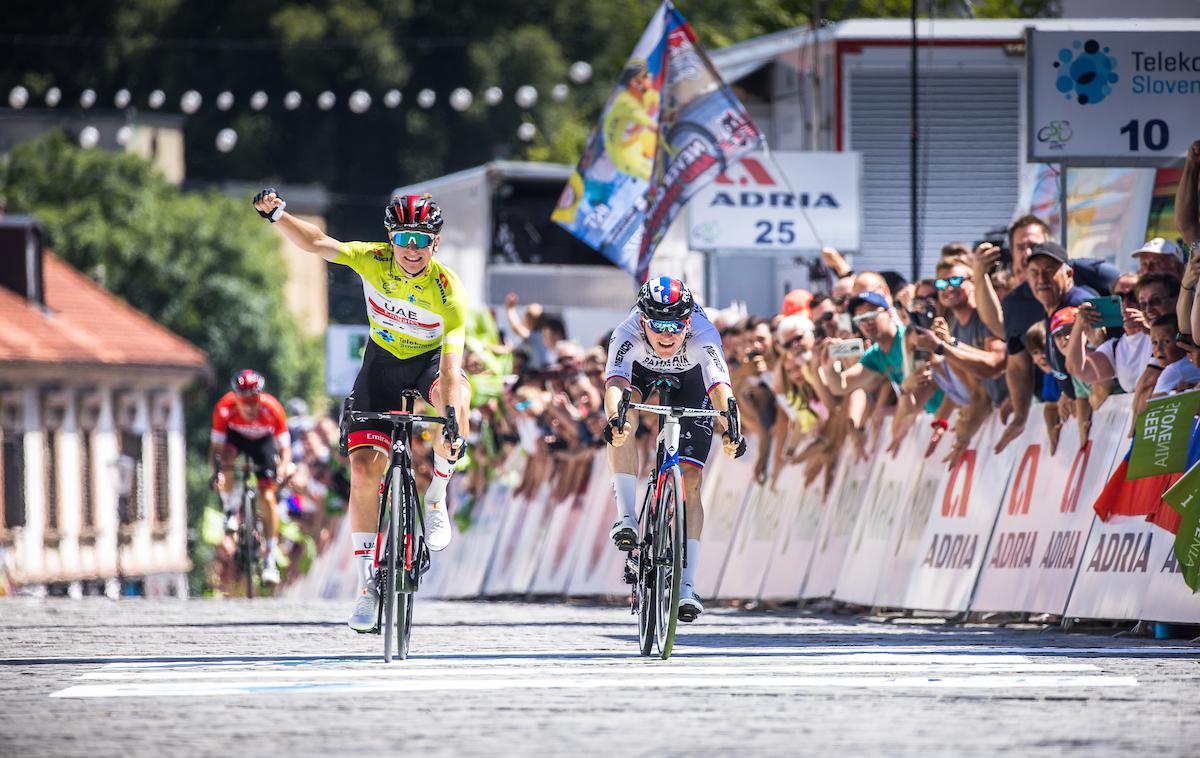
(666, 327)
(862, 318)
(523, 405)
(404, 239)
(841, 300)
(1152, 302)
(794, 343)
(950, 281)
(827, 316)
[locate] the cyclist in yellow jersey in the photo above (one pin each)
(417, 311)
(631, 123)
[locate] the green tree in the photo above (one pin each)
(201, 264)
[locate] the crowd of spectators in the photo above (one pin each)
(1011, 326)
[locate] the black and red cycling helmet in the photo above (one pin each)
(413, 213)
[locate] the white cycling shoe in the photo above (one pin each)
(690, 606)
(270, 572)
(438, 532)
(366, 610)
(231, 522)
(624, 533)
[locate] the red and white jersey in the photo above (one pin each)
(270, 419)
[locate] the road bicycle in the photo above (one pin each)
(655, 566)
(401, 555)
(247, 541)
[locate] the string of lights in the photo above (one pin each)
(359, 101)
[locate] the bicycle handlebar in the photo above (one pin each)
(397, 417)
(672, 410)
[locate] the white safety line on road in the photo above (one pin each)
(667, 680)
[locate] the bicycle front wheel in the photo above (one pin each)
(392, 566)
(410, 571)
(646, 573)
(669, 557)
(248, 546)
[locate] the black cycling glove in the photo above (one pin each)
(276, 214)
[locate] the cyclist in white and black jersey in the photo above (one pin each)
(666, 332)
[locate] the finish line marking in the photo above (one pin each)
(666, 681)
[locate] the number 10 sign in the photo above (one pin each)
(1101, 98)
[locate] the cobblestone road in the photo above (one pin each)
(271, 677)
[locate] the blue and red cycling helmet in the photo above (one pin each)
(665, 299)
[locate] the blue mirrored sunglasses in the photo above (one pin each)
(950, 281)
(404, 239)
(666, 327)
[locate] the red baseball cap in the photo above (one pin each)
(797, 302)
(1062, 318)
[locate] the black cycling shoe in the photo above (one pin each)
(624, 534)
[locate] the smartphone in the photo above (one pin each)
(851, 348)
(1110, 308)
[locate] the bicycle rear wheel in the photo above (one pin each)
(392, 564)
(669, 557)
(646, 578)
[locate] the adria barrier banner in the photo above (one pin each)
(670, 127)
(1046, 516)
(774, 203)
(1112, 98)
(1009, 532)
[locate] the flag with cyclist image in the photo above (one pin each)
(669, 128)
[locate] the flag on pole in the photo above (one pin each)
(671, 126)
(1184, 497)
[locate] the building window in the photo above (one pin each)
(130, 473)
(87, 479)
(50, 437)
(12, 478)
(162, 504)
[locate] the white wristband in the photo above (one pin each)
(278, 212)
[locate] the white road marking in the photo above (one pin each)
(638, 672)
(666, 681)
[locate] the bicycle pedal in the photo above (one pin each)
(630, 571)
(625, 544)
(688, 616)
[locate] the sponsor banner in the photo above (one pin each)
(768, 513)
(1163, 432)
(760, 203)
(479, 540)
(1116, 568)
(669, 128)
(1037, 545)
(515, 566)
(793, 551)
(1168, 596)
(344, 345)
(496, 581)
(956, 536)
(871, 542)
(598, 564)
(727, 486)
(903, 555)
(1111, 98)
(837, 524)
(556, 559)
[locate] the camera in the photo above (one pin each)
(999, 238)
(922, 318)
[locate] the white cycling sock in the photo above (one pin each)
(442, 471)
(364, 556)
(272, 544)
(693, 560)
(625, 485)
